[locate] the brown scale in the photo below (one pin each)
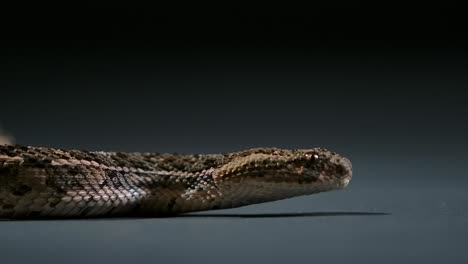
(56, 183)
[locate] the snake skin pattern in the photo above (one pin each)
(37, 182)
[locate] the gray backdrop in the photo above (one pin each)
(392, 102)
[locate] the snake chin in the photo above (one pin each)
(344, 182)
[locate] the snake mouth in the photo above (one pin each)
(344, 182)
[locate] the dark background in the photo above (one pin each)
(384, 88)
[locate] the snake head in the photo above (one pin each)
(267, 174)
(322, 165)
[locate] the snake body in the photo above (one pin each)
(39, 182)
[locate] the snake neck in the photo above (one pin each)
(172, 192)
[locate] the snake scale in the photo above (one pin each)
(40, 182)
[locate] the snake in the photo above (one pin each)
(45, 182)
